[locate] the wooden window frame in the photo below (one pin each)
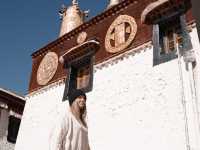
(169, 38)
(71, 81)
(163, 52)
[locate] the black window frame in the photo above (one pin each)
(161, 52)
(71, 80)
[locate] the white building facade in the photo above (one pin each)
(134, 103)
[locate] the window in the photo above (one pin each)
(13, 128)
(170, 36)
(80, 76)
(79, 62)
(167, 35)
(83, 77)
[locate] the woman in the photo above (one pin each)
(70, 132)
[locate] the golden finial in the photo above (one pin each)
(72, 17)
(74, 2)
(113, 3)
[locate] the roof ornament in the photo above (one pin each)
(71, 17)
(62, 10)
(74, 2)
(113, 3)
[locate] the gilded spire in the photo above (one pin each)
(72, 17)
(74, 2)
(113, 3)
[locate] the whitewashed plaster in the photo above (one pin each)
(40, 113)
(133, 105)
(192, 99)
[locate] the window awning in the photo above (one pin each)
(85, 49)
(162, 9)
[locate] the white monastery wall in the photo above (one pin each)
(136, 105)
(193, 99)
(196, 47)
(40, 113)
(133, 105)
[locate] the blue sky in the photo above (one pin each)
(25, 26)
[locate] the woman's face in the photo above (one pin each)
(81, 102)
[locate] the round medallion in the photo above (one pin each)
(120, 34)
(81, 37)
(47, 68)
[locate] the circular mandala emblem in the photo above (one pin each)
(120, 33)
(81, 37)
(47, 68)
